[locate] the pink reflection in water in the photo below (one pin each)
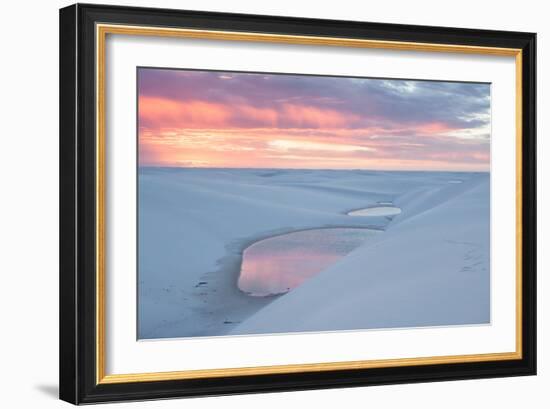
(278, 264)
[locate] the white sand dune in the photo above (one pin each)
(195, 223)
(431, 269)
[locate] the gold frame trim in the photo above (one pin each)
(101, 33)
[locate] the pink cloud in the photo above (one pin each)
(265, 116)
(304, 116)
(161, 112)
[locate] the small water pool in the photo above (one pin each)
(278, 264)
(376, 211)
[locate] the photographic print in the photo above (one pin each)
(264, 203)
(283, 203)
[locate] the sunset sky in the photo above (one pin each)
(240, 120)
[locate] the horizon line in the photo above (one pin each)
(309, 169)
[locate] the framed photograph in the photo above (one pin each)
(257, 203)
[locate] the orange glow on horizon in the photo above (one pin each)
(273, 148)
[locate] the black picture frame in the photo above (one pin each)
(78, 301)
